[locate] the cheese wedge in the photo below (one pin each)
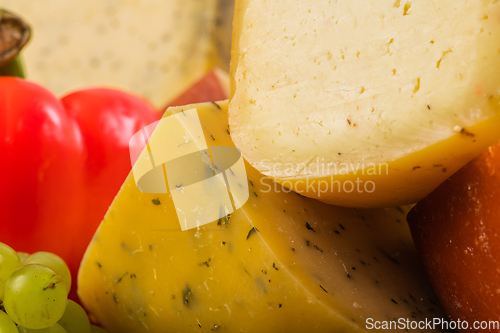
(156, 49)
(281, 263)
(364, 104)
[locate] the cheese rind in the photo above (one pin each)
(411, 87)
(281, 263)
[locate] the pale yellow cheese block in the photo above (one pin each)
(155, 49)
(281, 263)
(393, 96)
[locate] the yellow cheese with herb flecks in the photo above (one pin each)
(281, 263)
(156, 49)
(353, 86)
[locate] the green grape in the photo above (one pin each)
(35, 297)
(9, 262)
(75, 319)
(23, 255)
(56, 328)
(97, 329)
(6, 324)
(54, 262)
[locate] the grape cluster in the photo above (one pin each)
(34, 295)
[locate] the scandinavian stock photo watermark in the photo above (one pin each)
(204, 183)
(406, 324)
(208, 183)
(361, 177)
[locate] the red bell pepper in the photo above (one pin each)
(62, 162)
